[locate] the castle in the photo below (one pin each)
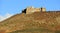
(30, 10)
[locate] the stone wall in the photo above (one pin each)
(30, 10)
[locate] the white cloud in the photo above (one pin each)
(5, 17)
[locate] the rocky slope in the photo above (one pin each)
(38, 22)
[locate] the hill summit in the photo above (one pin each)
(36, 22)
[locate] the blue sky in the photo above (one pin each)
(15, 6)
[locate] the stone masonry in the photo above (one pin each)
(30, 10)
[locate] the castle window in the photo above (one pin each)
(24, 11)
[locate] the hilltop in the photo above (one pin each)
(37, 22)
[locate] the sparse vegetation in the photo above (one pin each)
(38, 22)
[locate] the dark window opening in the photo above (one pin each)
(41, 9)
(24, 11)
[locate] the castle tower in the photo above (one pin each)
(29, 10)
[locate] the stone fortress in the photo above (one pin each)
(31, 9)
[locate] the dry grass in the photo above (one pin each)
(37, 20)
